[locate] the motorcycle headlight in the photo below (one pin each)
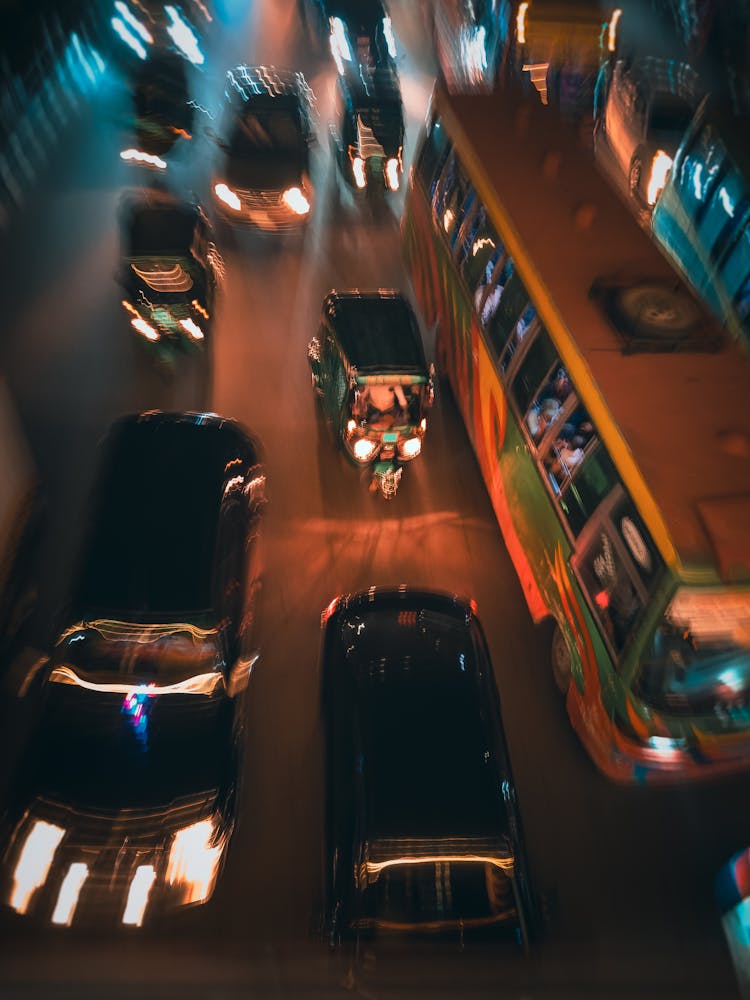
(227, 195)
(192, 328)
(660, 167)
(194, 860)
(364, 449)
(294, 198)
(358, 169)
(410, 448)
(391, 173)
(144, 328)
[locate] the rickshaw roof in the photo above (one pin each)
(377, 331)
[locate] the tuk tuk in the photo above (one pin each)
(370, 374)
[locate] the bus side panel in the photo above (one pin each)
(531, 530)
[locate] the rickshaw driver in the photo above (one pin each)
(382, 404)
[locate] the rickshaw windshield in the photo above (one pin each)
(388, 403)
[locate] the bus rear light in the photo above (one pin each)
(358, 169)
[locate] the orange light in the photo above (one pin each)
(521, 23)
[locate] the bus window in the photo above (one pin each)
(607, 578)
(465, 216)
(457, 198)
(591, 481)
(434, 151)
(541, 359)
(443, 189)
(549, 406)
(721, 215)
(509, 318)
(479, 253)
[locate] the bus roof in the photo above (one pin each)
(678, 423)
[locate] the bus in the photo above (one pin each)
(702, 216)
(607, 410)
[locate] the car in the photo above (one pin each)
(163, 112)
(126, 800)
(368, 143)
(169, 269)
(642, 108)
(268, 128)
(359, 32)
(423, 830)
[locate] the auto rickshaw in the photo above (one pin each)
(369, 371)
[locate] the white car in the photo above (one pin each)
(642, 109)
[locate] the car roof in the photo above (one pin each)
(253, 82)
(367, 89)
(161, 227)
(377, 330)
(156, 513)
(415, 663)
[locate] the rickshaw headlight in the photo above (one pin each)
(411, 447)
(364, 449)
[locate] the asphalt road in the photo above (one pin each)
(627, 874)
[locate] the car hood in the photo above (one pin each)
(69, 866)
(265, 172)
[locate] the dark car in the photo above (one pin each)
(368, 142)
(163, 112)
(268, 128)
(126, 801)
(423, 832)
(169, 269)
(359, 32)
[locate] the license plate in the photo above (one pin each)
(390, 438)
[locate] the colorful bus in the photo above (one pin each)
(702, 216)
(608, 413)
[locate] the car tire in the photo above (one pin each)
(652, 309)
(560, 660)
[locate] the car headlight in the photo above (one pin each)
(194, 860)
(358, 169)
(192, 328)
(34, 862)
(294, 198)
(391, 173)
(410, 448)
(227, 195)
(339, 44)
(139, 156)
(364, 449)
(661, 164)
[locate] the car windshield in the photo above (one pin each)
(268, 131)
(386, 123)
(114, 752)
(670, 114)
